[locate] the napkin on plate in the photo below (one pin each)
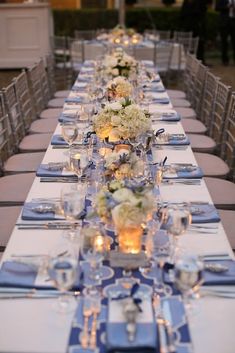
(204, 213)
(74, 100)
(146, 331)
(162, 100)
(173, 140)
(58, 140)
(51, 169)
(222, 278)
(193, 172)
(43, 211)
(16, 274)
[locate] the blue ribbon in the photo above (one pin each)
(133, 291)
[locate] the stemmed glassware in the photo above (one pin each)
(94, 247)
(63, 271)
(69, 132)
(72, 205)
(79, 160)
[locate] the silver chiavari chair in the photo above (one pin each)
(51, 73)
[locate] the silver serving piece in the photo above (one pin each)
(130, 311)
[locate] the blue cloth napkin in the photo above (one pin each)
(15, 274)
(161, 100)
(222, 278)
(58, 140)
(29, 212)
(170, 117)
(116, 335)
(185, 174)
(66, 118)
(44, 171)
(174, 141)
(204, 213)
(74, 100)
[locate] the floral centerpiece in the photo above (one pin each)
(123, 164)
(128, 204)
(119, 87)
(122, 119)
(120, 64)
(123, 35)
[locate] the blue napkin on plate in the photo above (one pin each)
(14, 274)
(31, 211)
(74, 100)
(204, 213)
(222, 278)
(185, 173)
(170, 116)
(146, 331)
(174, 141)
(63, 118)
(162, 100)
(58, 140)
(45, 170)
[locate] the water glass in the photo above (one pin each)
(79, 160)
(69, 132)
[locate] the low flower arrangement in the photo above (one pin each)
(120, 64)
(119, 87)
(125, 202)
(123, 164)
(121, 119)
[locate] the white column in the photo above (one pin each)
(122, 12)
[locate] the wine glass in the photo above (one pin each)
(79, 160)
(82, 125)
(69, 132)
(63, 271)
(72, 205)
(188, 277)
(177, 219)
(93, 249)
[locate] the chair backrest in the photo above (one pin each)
(179, 35)
(25, 99)
(228, 142)
(76, 51)
(208, 99)
(219, 115)
(50, 63)
(198, 87)
(5, 145)
(194, 45)
(163, 35)
(162, 56)
(191, 70)
(85, 35)
(44, 81)
(36, 88)
(17, 131)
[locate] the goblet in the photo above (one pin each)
(63, 270)
(72, 205)
(188, 277)
(69, 132)
(79, 160)
(93, 249)
(177, 219)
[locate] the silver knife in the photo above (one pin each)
(168, 324)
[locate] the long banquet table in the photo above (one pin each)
(32, 326)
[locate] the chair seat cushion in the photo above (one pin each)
(211, 165)
(175, 93)
(35, 143)
(56, 103)
(51, 113)
(186, 113)
(62, 94)
(8, 218)
(201, 143)
(222, 192)
(23, 162)
(193, 126)
(228, 221)
(14, 188)
(42, 126)
(180, 103)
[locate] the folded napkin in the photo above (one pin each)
(14, 274)
(204, 213)
(43, 211)
(173, 140)
(53, 169)
(58, 140)
(185, 172)
(66, 118)
(222, 278)
(162, 100)
(84, 78)
(74, 100)
(146, 332)
(79, 86)
(155, 89)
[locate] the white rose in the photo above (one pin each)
(115, 120)
(122, 195)
(115, 106)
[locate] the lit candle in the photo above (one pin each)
(130, 239)
(99, 243)
(105, 151)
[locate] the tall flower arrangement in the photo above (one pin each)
(119, 87)
(120, 64)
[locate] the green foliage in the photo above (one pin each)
(66, 21)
